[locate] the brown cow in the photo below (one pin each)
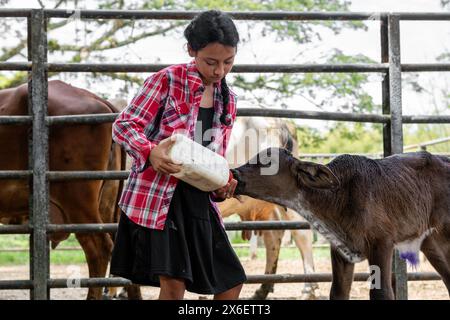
(71, 147)
(365, 207)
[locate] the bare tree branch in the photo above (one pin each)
(7, 54)
(59, 3)
(124, 77)
(56, 25)
(95, 47)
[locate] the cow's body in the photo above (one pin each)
(71, 147)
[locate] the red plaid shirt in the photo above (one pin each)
(173, 95)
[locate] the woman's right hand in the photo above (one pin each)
(160, 160)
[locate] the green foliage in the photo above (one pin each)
(342, 138)
(106, 31)
(101, 35)
(63, 257)
(13, 241)
(285, 30)
(420, 133)
(15, 80)
(21, 241)
(291, 253)
(365, 138)
(331, 91)
(309, 139)
(343, 92)
(53, 45)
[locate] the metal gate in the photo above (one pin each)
(39, 176)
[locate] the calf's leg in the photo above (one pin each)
(380, 258)
(272, 242)
(342, 276)
(437, 250)
(304, 240)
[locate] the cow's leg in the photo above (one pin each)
(303, 240)
(272, 242)
(81, 205)
(253, 240)
(380, 256)
(437, 250)
(97, 249)
(133, 292)
(342, 276)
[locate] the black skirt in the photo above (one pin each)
(193, 246)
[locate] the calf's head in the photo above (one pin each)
(275, 174)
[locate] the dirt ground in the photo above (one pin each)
(417, 290)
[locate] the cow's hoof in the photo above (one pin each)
(106, 296)
(123, 295)
(308, 296)
(309, 292)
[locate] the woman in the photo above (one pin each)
(171, 234)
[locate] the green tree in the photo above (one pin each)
(342, 138)
(95, 39)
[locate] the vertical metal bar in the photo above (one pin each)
(30, 150)
(386, 108)
(395, 84)
(395, 99)
(39, 97)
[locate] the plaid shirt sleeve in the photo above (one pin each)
(128, 128)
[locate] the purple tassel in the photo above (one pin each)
(411, 257)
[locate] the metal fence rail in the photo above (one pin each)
(265, 278)
(245, 112)
(239, 68)
(260, 15)
(39, 176)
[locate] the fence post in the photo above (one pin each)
(386, 107)
(39, 263)
(396, 136)
(30, 147)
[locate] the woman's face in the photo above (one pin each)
(213, 61)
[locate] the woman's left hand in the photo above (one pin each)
(226, 191)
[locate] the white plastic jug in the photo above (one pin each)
(201, 167)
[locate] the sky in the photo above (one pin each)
(421, 42)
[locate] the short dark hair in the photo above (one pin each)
(209, 27)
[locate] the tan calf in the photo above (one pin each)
(250, 209)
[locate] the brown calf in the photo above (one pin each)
(365, 207)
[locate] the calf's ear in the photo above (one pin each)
(315, 175)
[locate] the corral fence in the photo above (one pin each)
(39, 176)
